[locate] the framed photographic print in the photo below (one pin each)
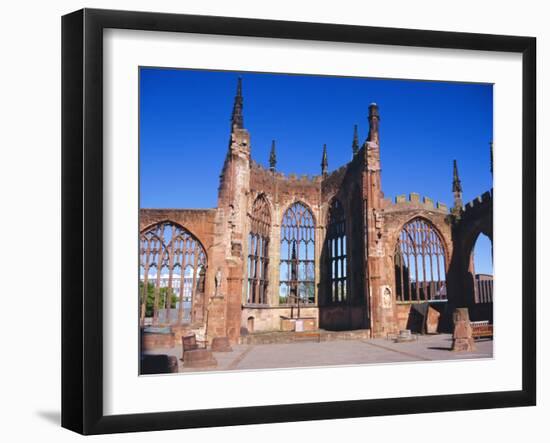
(269, 221)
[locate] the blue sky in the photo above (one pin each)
(184, 132)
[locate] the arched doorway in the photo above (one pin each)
(258, 252)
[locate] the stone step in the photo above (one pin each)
(261, 338)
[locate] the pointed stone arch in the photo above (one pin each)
(337, 263)
(421, 261)
(173, 263)
(258, 252)
(297, 255)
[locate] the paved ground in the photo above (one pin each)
(332, 353)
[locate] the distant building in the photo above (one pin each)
(484, 288)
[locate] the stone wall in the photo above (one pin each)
(267, 319)
(199, 222)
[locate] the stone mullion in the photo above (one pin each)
(182, 284)
(319, 235)
(438, 267)
(145, 281)
(296, 261)
(265, 268)
(415, 249)
(430, 251)
(274, 262)
(402, 261)
(408, 247)
(157, 286)
(195, 256)
(255, 278)
(168, 301)
(422, 238)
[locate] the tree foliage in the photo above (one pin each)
(163, 292)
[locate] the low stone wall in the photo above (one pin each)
(293, 337)
(156, 341)
(266, 319)
(297, 324)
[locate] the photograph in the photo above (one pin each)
(289, 220)
(257, 222)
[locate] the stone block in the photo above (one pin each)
(155, 341)
(462, 330)
(287, 324)
(462, 334)
(432, 320)
(221, 344)
(199, 358)
(310, 324)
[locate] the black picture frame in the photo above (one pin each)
(82, 215)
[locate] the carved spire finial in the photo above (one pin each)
(237, 115)
(324, 161)
(491, 143)
(457, 191)
(355, 144)
(457, 186)
(272, 157)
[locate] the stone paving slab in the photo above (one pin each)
(334, 353)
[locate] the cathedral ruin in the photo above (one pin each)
(295, 253)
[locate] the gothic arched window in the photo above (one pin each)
(172, 268)
(337, 253)
(420, 263)
(297, 265)
(258, 252)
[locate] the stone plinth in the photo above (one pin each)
(189, 342)
(462, 335)
(432, 320)
(199, 358)
(221, 344)
(216, 318)
(404, 336)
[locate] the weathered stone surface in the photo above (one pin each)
(155, 341)
(189, 342)
(220, 344)
(432, 321)
(462, 335)
(199, 358)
